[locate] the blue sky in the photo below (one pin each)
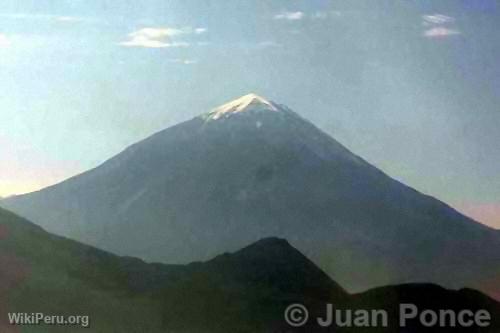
(412, 86)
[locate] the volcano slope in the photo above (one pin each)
(253, 168)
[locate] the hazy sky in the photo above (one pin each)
(411, 86)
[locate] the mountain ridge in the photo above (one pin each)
(201, 188)
(245, 291)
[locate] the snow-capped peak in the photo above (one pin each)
(244, 103)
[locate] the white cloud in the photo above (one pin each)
(298, 15)
(200, 30)
(438, 26)
(160, 37)
(149, 43)
(440, 32)
(155, 38)
(4, 41)
(289, 16)
(437, 19)
(184, 61)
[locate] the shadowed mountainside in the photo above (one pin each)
(252, 169)
(246, 291)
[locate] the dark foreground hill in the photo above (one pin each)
(246, 291)
(252, 169)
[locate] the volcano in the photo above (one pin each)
(253, 168)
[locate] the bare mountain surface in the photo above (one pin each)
(251, 169)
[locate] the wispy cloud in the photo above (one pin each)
(183, 61)
(322, 15)
(289, 16)
(160, 37)
(438, 26)
(69, 19)
(4, 41)
(154, 38)
(440, 32)
(299, 15)
(258, 45)
(48, 17)
(437, 19)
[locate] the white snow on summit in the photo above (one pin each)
(244, 103)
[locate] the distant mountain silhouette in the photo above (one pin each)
(246, 291)
(252, 169)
